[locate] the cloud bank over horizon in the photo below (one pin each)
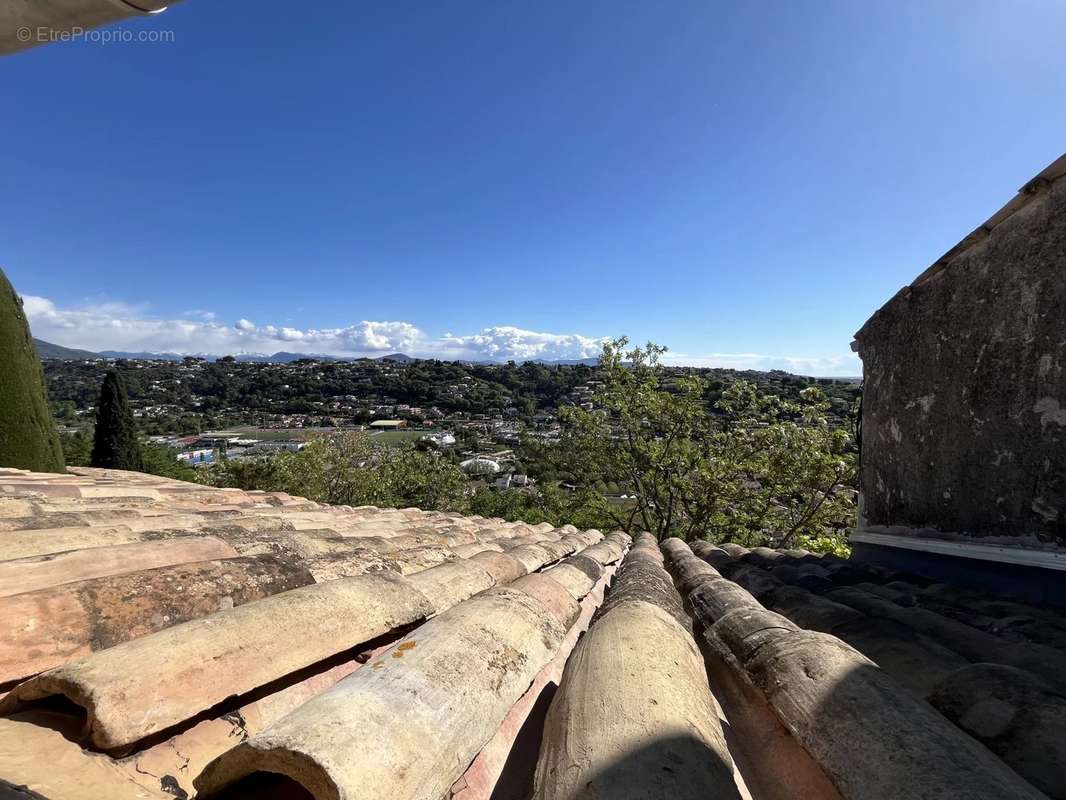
(127, 328)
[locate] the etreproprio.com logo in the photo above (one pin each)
(44, 34)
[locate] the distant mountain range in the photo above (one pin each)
(141, 355)
(49, 350)
(569, 362)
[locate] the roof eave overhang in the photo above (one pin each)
(1030, 191)
(28, 23)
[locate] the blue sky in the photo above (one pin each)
(744, 182)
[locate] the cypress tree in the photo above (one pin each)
(28, 437)
(115, 445)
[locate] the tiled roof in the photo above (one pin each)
(863, 664)
(160, 639)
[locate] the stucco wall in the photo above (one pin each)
(964, 408)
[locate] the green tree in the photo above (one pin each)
(161, 460)
(353, 469)
(752, 467)
(28, 437)
(583, 509)
(115, 445)
(77, 448)
(267, 474)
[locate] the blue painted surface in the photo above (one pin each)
(1029, 584)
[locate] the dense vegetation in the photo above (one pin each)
(752, 457)
(28, 438)
(195, 395)
(688, 460)
(738, 464)
(352, 469)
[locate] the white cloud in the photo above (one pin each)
(118, 326)
(843, 365)
(504, 343)
(364, 337)
(113, 326)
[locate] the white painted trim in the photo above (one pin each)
(1044, 559)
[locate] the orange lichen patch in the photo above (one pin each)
(403, 647)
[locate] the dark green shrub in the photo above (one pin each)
(28, 437)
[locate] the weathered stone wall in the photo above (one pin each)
(964, 408)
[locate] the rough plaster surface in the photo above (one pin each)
(964, 407)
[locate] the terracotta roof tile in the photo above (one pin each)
(634, 712)
(172, 637)
(41, 572)
(452, 682)
(45, 628)
(815, 682)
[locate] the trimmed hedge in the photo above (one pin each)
(28, 436)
